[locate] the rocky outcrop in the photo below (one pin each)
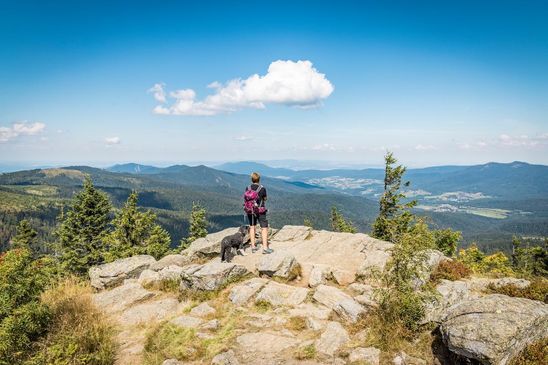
(332, 339)
(202, 310)
(114, 273)
(277, 294)
(493, 329)
(319, 274)
(279, 264)
(343, 304)
(211, 276)
(121, 297)
(169, 260)
(241, 294)
(208, 246)
(377, 253)
(152, 311)
(292, 233)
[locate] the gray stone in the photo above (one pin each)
(169, 260)
(225, 358)
(329, 295)
(172, 362)
(359, 288)
(433, 259)
(349, 310)
(332, 339)
(377, 253)
(314, 324)
(368, 355)
(255, 342)
(310, 310)
(403, 359)
(121, 297)
(149, 278)
(211, 325)
(281, 294)
(212, 276)
(319, 275)
(278, 264)
(481, 284)
(171, 272)
(493, 329)
(153, 311)
(187, 321)
(208, 246)
(240, 294)
(292, 233)
(114, 273)
(202, 310)
(449, 294)
(343, 277)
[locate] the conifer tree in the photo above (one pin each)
(83, 229)
(25, 236)
(394, 216)
(339, 224)
(198, 225)
(135, 233)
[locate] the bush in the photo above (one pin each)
(450, 270)
(447, 241)
(79, 333)
(538, 290)
(497, 263)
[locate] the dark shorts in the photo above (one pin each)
(260, 218)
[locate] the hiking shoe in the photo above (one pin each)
(254, 249)
(267, 251)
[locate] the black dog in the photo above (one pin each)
(236, 240)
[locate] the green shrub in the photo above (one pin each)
(497, 263)
(447, 241)
(538, 290)
(450, 270)
(307, 352)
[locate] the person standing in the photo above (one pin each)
(254, 206)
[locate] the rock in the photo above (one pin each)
(171, 272)
(225, 358)
(208, 246)
(481, 284)
(153, 311)
(359, 288)
(173, 362)
(314, 324)
(292, 233)
(212, 276)
(343, 277)
(114, 273)
(310, 310)
(329, 295)
(433, 259)
(377, 254)
(211, 325)
(450, 293)
(281, 294)
(187, 321)
(265, 342)
(121, 297)
(349, 310)
(240, 294)
(332, 339)
(493, 329)
(368, 355)
(169, 260)
(319, 275)
(403, 359)
(149, 278)
(202, 310)
(279, 264)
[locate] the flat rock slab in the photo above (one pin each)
(212, 276)
(493, 329)
(202, 310)
(121, 298)
(292, 233)
(278, 264)
(343, 304)
(241, 294)
(153, 311)
(310, 310)
(281, 294)
(332, 339)
(187, 321)
(209, 245)
(114, 273)
(169, 260)
(265, 342)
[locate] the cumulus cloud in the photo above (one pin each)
(422, 147)
(110, 141)
(243, 138)
(286, 82)
(508, 141)
(21, 129)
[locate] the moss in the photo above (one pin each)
(262, 306)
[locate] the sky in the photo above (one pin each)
(340, 82)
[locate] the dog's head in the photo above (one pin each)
(243, 230)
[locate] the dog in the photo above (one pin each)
(237, 241)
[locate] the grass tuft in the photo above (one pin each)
(307, 352)
(535, 353)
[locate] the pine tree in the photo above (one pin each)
(25, 236)
(339, 224)
(198, 225)
(135, 233)
(83, 229)
(394, 216)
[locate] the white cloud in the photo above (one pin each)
(422, 147)
(243, 138)
(286, 82)
(508, 141)
(110, 141)
(158, 91)
(21, 129)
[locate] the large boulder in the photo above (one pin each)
(449, 293)
(240, 294)
(211, 276)
(343, 304)
(281, 294)
(433, 259)
(292, 233)
(332, 339)
(150, 312)
(279, 264)
(170, 260)
(377, 253)
(114, 273)
(493, 329)
(319, 274)
(121, 297)
(208, 246)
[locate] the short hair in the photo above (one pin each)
(255, 177)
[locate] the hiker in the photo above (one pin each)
(254, 206)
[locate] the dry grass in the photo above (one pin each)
(450, 270)
(538, 290)
(307, 352)
(536, 353)
(80, 333)
(297, 323)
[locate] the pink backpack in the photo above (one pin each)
(250, 201)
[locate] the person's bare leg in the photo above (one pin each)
(264, 233)
(252, 236)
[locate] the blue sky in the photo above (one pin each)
(436, 82)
